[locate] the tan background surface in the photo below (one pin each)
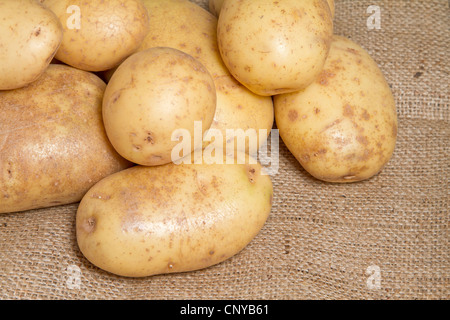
(320, 238)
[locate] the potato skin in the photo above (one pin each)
(145, 221)
(151, 95)
(186, 26)
(29, 38)
(275, 47)
(108, 33)
(53, 146)
(343, 127)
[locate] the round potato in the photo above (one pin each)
(275, 47)
(30, 35)
(343, 127)
(53, 146)
(153, 94)
(145, 221)
(99, 35)
(186, 26)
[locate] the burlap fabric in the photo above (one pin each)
(386, 238)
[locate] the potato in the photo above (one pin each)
(343, 127)
(275, 47)
(99, 35)
(151, 95)
(30, 35)
(145, 221)
(215, 6)
(186, 26)
(53, 146)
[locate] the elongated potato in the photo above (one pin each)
(30, 35)
(53, 146)
(343, 127)
(186, 26)
(172, 218)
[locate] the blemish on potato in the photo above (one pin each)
(331, 125)
(251, 174)
(365, 115)
(293, 115)
(324, 77)
(363, 140)
(150, 139)
(348, 111)
(90, 224)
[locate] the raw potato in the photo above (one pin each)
(99, 35)
(215, 6)
(151, 95)
(275, 47)
(186, 26)
(173, 218)
(52, 141)
(343, 127)
(30, 35)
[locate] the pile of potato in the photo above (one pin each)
(93, 92)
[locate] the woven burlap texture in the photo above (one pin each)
(385, 238)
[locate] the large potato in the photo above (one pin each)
(151, 95)
(185, 26)
(53, 146)
(98, 34)
(275, 47)
(343, 127)
(30, 35)
(173, 218)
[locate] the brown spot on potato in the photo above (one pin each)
(363, 140)
(150, 139)
(353, 51)
(90, 224)
(293, 115)
(324, 77)
(365, 115)
(334, 123)
(348, 111)
(251, 173)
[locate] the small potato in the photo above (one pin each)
(343, 127)
(30, 35)
(151, 95)
(53, 146)
(145, 221)
(98, 34)
(275, 47)
(186, 26)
